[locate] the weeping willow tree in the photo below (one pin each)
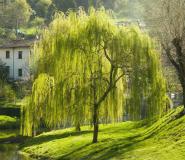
(83, 60)
(148, 86)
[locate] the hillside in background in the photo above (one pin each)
(29, 17)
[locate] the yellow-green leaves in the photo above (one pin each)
(80, 56)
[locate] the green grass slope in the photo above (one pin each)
(7, 122)
(7, 128)
(164, 140)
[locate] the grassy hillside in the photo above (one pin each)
(164, 140)
(7, 122)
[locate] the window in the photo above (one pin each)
(20, 72)
(20, 55)
(7, 54)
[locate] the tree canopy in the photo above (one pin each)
(83, 63)
(14, 14)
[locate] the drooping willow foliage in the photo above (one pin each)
(82, 62)
(147, 97)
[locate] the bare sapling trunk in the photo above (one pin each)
(78, 129)
(95, 124)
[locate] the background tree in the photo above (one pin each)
(116, 5)
(60, 5)
(170, 25)
(6, 91)
(40, 7)
(15, 14)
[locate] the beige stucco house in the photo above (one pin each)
(16, 56)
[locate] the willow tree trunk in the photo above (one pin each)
(182, 80)
(95, 124)
(184, 96)
(178, 62)
(177, 42)
(78, 129)
(34, 132)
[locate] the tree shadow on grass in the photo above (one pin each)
(45, 138)
(116, 150)
(106, 150)
(66, 156)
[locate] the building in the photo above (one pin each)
(16, 56)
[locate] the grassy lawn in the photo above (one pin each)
(164, 140)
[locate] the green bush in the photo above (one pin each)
(9, 93)
(37, 21)
(6, 92)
